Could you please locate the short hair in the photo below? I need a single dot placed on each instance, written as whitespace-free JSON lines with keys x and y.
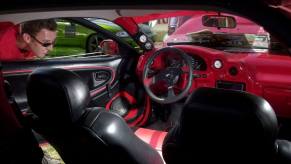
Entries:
{"x":35,"y":26}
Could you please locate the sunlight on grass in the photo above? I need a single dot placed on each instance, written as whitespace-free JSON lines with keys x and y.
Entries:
{"x":51,"y":154}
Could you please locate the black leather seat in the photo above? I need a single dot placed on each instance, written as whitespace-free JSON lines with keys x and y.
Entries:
{"x":59,"y":98}
{"x":283,"y":151}
{"x":225,"y":126}
{"x":17,"y":142}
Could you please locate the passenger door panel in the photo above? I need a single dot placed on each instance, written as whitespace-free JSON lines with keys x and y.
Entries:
{"x":98,"y":72}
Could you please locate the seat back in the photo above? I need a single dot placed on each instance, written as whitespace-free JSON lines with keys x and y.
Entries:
{"x":283,"y":151}
{"x":59,"y":98}
{"x":17,"y":144}
{"x":225,"y":126}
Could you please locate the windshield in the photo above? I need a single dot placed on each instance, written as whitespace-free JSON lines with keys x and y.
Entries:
{"x":246,"y":36}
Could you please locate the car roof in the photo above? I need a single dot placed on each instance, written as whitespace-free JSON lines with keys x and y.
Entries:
{"x":19,"y":16}
{"x":267,"y":13}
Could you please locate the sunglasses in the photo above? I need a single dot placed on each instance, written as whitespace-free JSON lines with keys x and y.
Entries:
{"x":41,"y":43}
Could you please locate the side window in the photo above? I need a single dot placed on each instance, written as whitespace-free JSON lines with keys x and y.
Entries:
{"x":75,"y":40}
{"x":108,"y":46}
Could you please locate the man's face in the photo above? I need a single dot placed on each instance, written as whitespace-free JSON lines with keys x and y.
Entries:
{"x":42,"y":42}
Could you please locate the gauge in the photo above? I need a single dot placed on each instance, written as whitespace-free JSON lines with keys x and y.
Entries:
{"x":217,"y":64}
{"x":198,"y":63}
{"x":142,"y":38}
{"x":148,"y":45}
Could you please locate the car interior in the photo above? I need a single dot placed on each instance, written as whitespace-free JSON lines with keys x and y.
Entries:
{"x":123,"y":86}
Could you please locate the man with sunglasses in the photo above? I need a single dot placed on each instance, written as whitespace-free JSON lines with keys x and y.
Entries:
{"x":28,"y":40}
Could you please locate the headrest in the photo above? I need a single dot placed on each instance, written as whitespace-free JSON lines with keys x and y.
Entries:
{"x":56,"y":95}
{"x":224,"y":124}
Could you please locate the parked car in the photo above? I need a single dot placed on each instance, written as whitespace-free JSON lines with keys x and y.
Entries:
{"x":218,"y":91}
{"x":75,"y":39}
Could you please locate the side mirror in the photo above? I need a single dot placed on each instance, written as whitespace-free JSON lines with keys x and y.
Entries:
{"x":219,"y":21}
{"x":109,"y":47}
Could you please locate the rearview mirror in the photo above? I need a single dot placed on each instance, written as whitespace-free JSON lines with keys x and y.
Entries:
{"x":219,"y":21}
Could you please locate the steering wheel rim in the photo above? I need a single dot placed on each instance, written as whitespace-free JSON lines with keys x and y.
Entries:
{"x":171,"y":95}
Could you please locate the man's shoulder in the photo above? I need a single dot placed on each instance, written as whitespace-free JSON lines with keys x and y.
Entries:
{"x":6,"y":25}
{"x":7,"y":30}
{"x":8,"y":48}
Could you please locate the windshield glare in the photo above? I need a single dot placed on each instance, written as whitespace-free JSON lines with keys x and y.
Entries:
{"x":246,"y":36}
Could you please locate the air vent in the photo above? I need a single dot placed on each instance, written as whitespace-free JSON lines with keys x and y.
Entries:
{"x":233,"y":71}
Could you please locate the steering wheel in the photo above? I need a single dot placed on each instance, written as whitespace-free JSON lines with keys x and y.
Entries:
{"x":169,"y":75}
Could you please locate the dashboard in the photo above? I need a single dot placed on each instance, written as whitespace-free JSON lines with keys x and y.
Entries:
{"x":211,"y":68}
{"x":263,"y":74}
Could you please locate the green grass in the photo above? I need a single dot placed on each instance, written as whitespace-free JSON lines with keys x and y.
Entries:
{"x":51,"y":155}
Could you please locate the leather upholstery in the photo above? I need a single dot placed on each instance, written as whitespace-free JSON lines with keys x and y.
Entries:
{"x":22,"y":146}
{"x":81,"y":135}
{"x":56,"y":94}
{"x":124,"y":146}
{"x":226,"y":126}
{"x":283,"y":151}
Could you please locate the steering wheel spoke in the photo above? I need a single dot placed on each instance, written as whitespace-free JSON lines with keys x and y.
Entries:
{"x":171,"y":94}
